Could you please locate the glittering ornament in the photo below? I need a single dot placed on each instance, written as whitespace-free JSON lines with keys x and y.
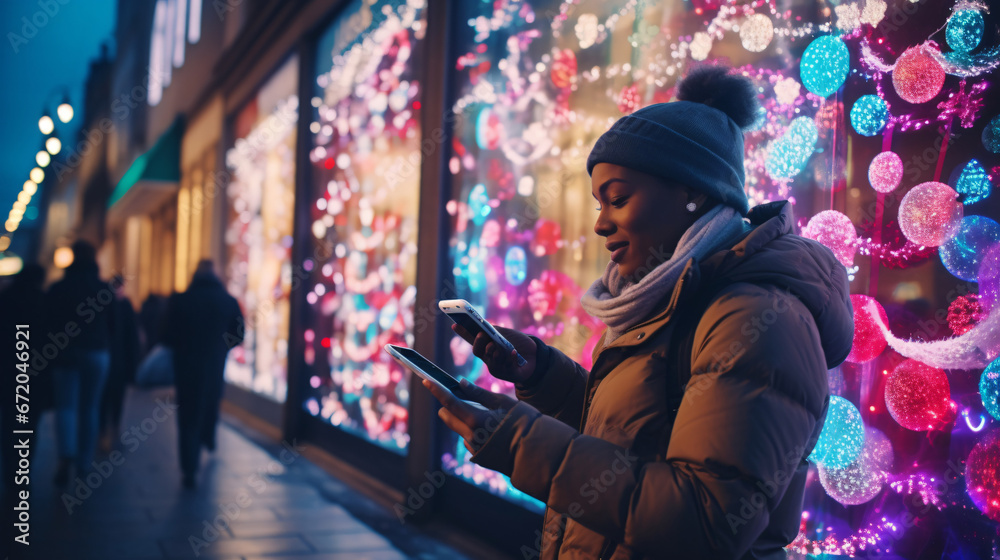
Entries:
{"x":824,"y":65}
{"x":873,"y":13}
{"x":700,"y":45}
{"x":836,"y":231}
{"x":586,"y":30}
{"x":489,"y":129}
{"x":546,"y":240}
{"x":962,"y":104}
{"x":563,"y":68}
{"x":982,"y":475}
{"x":515,"y":265}
{"x":843,"y":435}
{"x":629,"y":99}
{"x":479,"y":204}
{"x":991,"y":135}
{"x":973,"y":182}
{"x":989,"y":388}
{"x":864,"y":478}
{"x":786,"y":91}
{"x":917,"y":76}
{"x":869,"y":115}
{"x":918,"y":396}
{"x":848,"y":17}
{"x":868,"y":339}
{"x":885,"y":172}
{"x":989,"y":278}
{"x":930,"y":214}
{"x":756,"y":32}
{"x":964,"y":30}
{"x":787,"y":155}
{"x":964,"y":313}
{"x":961,"y":254}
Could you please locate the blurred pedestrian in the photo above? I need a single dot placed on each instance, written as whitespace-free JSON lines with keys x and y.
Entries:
{"x":151,"y":318}
{"x":202,"y":325}
{"x":77,"y":310}
{"x":125,"y":349}
{"x":689,"y":436}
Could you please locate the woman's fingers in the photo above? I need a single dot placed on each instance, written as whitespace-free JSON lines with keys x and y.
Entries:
{"x":462,"y":332}
{"x":462,"y":411}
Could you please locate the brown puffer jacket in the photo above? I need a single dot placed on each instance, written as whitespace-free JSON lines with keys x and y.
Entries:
{"x":663,"y":453}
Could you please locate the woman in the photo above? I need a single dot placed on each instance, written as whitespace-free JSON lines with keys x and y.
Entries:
{"x":689,"y":436}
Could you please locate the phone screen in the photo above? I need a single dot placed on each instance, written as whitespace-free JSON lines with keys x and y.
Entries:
{"x":430,"y":369}
{"x":468,"y":323}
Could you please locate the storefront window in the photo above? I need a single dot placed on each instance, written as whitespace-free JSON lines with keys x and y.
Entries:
{"x":258,"y":236}
{"x":538,"y":83}
{"x":365,"y":155}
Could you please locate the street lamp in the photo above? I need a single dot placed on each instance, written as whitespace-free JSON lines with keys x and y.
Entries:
{"x":42,"y":158}
{"x":45,"y":123}
{"x":37,"y":175}
{"x":53,"y":145}
{"x":65,"y":110}
{"x":30,"y":187}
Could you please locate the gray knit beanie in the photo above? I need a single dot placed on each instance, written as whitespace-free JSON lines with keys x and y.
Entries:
{"x":696,"y":141}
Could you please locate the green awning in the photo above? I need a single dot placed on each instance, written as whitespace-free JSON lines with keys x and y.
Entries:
{"x":160,"y":164}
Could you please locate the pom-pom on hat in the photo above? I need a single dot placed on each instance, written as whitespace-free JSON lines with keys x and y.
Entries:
{"x":696,"y":141}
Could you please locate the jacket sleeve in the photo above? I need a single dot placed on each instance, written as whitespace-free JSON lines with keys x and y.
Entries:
{"x":750,"y":415}
{"x":557,"y":386}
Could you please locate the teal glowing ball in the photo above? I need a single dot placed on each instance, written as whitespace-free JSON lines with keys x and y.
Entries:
{"x":961,"y":254}
{"x":989,"y":388}
{"x":964,"y":30}
{"x":869,"y":115}
{"x":842,"y":437}
{"x":991,"y":135}
{"x":479,"y":204}
{"x":788,"y":155}
{"x":515,"y":265}
{"x":825,"y":65}
{"x":973,"y":182}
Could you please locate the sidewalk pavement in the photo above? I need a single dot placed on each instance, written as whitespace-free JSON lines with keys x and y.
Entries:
{"x":250,"y":503}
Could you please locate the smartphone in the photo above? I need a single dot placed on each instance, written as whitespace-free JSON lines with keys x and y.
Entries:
{"x":464,"y":314}
{"x":413,"y":361}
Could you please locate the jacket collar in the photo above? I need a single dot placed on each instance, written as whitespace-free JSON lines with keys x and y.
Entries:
{"x":770,"y":220}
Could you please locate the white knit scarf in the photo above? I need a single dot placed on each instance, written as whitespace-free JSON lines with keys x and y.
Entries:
{"x":620,"y":304}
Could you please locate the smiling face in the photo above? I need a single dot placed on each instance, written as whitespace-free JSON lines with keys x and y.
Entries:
{"x":641,"y":217}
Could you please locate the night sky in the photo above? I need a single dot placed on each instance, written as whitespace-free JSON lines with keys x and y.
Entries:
{"x":59,"y":54}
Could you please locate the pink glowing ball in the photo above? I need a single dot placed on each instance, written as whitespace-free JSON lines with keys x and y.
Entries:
{"x":563,"y":68}
{"x":864,"y":478}
{"x":918,"y":396}
{"x":989,"y":278}
{"x":917,"y":77}
{"x":982,"y":475}
{"x":930,"y":214}
{"x":836,"y":231}
{"x":885,"y":172}
{"x":869,"y":341}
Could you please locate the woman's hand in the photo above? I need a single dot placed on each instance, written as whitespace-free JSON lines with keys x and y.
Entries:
{"x":501,"y":364}
{"x":473,"y":424}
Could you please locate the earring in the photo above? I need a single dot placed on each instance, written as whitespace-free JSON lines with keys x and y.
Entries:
{"x":691,"y":206}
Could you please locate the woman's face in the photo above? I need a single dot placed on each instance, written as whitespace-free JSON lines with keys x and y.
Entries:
{"x":642,"y":217}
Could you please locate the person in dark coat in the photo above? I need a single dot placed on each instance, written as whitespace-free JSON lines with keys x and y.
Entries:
{"x":151,"y":317}
{"x":125,"y":348}
{"x":202,"y":325}
{"x":689,"y":436}
{"x":77,"y":310}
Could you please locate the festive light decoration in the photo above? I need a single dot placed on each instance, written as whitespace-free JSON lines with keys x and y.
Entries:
{"x":965,"y":29}
{"x":843,"y":435}
{"x":989,"y":389}
{"x":961,"y":254}
{"x":918,"y":396}
{"x":917,"y":76}
{"x":788,"y":155}
{"x":563,"y":68}
{"x":488,"y":130}
{"x":786,"y":91}
{"x":874,"y":12}
{"x":885,"y":172}
{"x":868,"y":339}
{"x":848,"y":17}
{"x":894,"y":250}
{"x":629,"y":100}
{"x":756,"y":32}
{"x":930,"y":214}
{"x":824,"y":66}
{"x":700,"y":46}
{"x":836,"y":231}
{"x":973,"y":182}
{"x":516,"y":265}
{"x":982,"y":475}
{"x":586,"y":30}
{"x":863,"y":479}
{"x":963,"y":105}
{"x":991,"y":135}
{"x":869,"y":115}
{"x":964,"y":313}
